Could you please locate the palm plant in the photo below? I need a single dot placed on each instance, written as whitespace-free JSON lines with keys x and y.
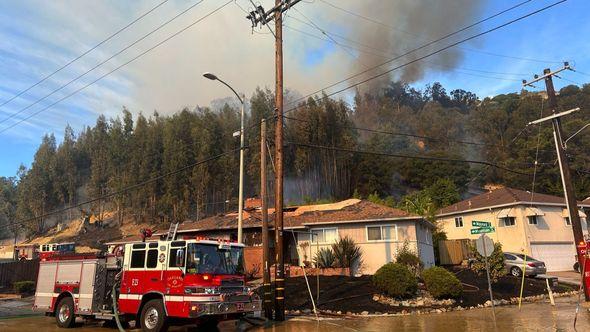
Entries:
{"x":324,"y":258}
{"x":346,"y":252}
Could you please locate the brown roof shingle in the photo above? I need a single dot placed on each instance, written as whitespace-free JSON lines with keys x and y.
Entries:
{"x":345,"y":211}
{"x":502,"y":196}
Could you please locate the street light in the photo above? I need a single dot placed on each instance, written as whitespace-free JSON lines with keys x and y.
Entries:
{"x":213,"y":77}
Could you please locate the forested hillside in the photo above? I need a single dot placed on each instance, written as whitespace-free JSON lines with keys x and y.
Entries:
{"x":378,"y":137}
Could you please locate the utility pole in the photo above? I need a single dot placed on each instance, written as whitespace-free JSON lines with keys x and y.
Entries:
{"x":267,"y":298}
{"x":280,"y":267}
{"x":259,"y":15}
{"x":564,"y":168}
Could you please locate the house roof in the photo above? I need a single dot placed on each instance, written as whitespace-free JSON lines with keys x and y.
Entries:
{"x":504,"y":197}
{"x":348,"y":211}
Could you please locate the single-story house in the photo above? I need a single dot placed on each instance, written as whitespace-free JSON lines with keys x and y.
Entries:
{"x":535,"y":224}
{"x":380,"y":231}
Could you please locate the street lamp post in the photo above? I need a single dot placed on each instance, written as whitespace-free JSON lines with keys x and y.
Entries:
{"x":213,"y":77}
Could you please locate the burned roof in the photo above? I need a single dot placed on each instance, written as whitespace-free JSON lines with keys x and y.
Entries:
{"x":503,"y":196}
{"x":351,"y":210}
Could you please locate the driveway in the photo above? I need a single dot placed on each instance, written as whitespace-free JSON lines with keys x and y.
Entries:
{"x":566,"y":277}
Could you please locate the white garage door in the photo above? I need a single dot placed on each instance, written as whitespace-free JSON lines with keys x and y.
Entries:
{"x":557,"y":256}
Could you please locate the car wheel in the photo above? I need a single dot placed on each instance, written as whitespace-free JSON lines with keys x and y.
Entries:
{"x":64,"y":313}
{"x":516,"y":271}
{"x":153,"y":317}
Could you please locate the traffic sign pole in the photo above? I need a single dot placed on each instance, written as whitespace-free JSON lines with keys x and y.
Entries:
{"x":483,"y":236}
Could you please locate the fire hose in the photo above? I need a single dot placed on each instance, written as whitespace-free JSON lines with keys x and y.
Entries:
{"x":115,"y":298}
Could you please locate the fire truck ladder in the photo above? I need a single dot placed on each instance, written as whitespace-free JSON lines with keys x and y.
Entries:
{"x":172,"y":231}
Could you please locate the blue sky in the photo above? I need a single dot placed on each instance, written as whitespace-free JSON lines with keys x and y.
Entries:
{"x":37,"y":37}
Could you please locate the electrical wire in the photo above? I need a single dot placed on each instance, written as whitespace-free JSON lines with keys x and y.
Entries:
{"x":403,"y":156}
{"x":366,"y":18}
{"x":120,"y":66}
{"x":100,"y":63}
{"x":83,"y":54}
{"x":402,"y":134}
{"x":431,"y":64}
{"x":497,"y":27}
{"x":128,"y":188}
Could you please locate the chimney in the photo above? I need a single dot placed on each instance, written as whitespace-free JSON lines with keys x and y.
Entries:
{"x":469,"y":203}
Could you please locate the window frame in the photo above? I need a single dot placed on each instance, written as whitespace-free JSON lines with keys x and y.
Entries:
{"x":503,"y":219}
{"x":460,"y":219}
{"x":382,"y":239}
{"x":147,"y":257}
{"x":323,"y":230}
{"x":535,"y":218}
{"x":131,"y":267}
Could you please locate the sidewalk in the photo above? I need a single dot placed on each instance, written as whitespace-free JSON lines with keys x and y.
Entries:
{"x":565,"y":277}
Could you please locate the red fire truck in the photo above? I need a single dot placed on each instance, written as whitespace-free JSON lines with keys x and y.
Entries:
{"x":157,"y":284}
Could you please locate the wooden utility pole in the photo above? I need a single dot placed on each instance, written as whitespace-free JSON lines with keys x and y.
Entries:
{"x":566,"y":178}
{"x":267,"y":298}
{"x":280,"y":259}
{"x":260,"y":16}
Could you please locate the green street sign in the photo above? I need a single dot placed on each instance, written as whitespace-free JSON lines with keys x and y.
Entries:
{"x":482,"y":230}
{"x":476,"y":223}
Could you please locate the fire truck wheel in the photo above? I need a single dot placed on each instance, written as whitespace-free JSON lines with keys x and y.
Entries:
{"x":153,"y":317}
{"x":64,"y":313}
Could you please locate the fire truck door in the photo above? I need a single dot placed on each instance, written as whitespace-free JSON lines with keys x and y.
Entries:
{"x":134,"y":275}
{"x":154,"y":266}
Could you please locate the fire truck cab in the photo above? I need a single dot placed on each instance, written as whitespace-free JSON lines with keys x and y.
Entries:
{"x":157,"y":284}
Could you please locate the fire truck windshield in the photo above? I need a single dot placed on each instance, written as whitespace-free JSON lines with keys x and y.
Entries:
{"x":210,"y":258}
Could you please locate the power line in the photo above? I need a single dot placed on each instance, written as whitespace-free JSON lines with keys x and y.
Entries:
{"x":463,"y":48}
{"x":403,"y":134}
{"x":432,"y":64}
{"x":129,"y":188}
{"x":121,"y":66}
{"x":83,"y":54}
{"x":403,"y":156}
{"x":417,"y":59}
{"x":388,"y":53}
{"x":101,"y":63}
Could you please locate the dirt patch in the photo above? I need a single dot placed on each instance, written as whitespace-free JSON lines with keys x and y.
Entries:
{"x":475,"y":288}
{"x":346,"y":294}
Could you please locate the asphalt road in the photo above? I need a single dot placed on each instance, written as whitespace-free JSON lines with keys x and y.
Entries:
{"x":532,"y":317}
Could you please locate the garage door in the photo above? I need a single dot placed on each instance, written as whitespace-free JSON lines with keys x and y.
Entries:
{"x":557,"y":256}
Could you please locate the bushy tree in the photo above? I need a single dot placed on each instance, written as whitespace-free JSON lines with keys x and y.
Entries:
{"x":495,"y":261}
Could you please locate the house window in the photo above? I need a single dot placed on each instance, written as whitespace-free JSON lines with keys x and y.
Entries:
{"x":325,"y":235}
{"x":568,"y":222}
{"x":459,"y":222}
{"x":508,"y":221}
{"x":382,"y":233}
{"x":533,"y":220}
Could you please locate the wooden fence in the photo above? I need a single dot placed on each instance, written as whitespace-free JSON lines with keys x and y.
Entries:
{"x":18,"y":271}
{"x":453,"y":252}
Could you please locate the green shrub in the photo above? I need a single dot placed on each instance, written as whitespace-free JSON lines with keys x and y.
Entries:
{"x":442,"y":284}
{"x":407,"y":257}
{"x":395,"y":280}
{"x":24,"y":287}
{"x":324,"y":258}
{"x":346,"y":252}
{"x":496,"y":262}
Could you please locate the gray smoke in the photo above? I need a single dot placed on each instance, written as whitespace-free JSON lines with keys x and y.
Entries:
{"x":408,"y":24}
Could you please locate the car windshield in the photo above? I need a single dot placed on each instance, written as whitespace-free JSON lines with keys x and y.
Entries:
{"x":528,"y":258}
{"x":210,"y":258}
